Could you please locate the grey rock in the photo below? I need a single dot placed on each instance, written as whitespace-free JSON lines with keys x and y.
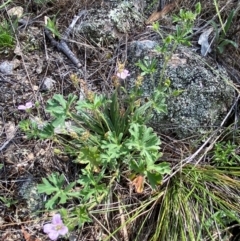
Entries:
{"x":28,"y":192}
{"x":6,"y":67}
{"x":110,"y":21}
{"x":205,"y":95}
{"x":48,"y":83}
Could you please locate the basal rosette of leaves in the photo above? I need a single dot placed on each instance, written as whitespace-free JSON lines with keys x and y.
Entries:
{"x":106,"y":136}
{"x":109,"y":138}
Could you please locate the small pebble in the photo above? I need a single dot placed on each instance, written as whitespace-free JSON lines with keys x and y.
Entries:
{"x":6,"y":67}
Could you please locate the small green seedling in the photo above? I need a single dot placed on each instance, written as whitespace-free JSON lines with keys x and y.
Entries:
{"x":52,"y":26}
{"x":7,"y":39}
{"x":225,"y":155}
{"x":8,"y":202}
{"x":147,"y":66}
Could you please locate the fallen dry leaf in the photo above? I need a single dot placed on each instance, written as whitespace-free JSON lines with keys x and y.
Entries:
{"x":28,"y":236}
{"x":30,"y":157}
{"x":18,"y":50}
{"x":138,"y":183}
{"x":10,"y":130}
{"x":158,"y":15}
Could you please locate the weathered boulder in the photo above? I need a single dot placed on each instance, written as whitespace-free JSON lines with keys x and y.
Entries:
{"x":111,"y":21}
{"x":205,"y":95}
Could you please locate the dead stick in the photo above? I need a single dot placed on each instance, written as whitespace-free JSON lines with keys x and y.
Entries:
{"x":62,"y":45}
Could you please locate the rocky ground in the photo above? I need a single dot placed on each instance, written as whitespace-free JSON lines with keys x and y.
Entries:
{"x":34,"y":70}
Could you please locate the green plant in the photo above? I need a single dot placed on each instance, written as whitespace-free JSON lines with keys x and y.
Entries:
{"x":106,"y":135}
{"x":78,"y":216}
{"x":184,"y":27}
{"x":225,"y":154}
{"x":52,"y":27}
{"x":198,"y":201}
{"x":222,"y":218}
{"x":7,"y":201}
{"x":53,"y":185}
{"x":102,"y":130}
{"x":7,"y":39}
{"x":31,"y":128}
{"x":221,"y":33}
{"x":148,"y":66}
{"x":109,"y":138}
{"x":146,"y":144}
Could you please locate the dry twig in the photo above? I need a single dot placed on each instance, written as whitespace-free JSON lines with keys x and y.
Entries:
{"x":62,"y":45}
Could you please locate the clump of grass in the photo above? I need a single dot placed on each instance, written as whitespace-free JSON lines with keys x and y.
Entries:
{"x":221,"y":34}
{"x":199,"y":203}
{"x":7,"y":39}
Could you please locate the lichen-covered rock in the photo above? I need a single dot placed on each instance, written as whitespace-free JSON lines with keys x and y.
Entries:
{"x":110,"y":21}
{"x":204,"y":94}
{"x":28,"y":192}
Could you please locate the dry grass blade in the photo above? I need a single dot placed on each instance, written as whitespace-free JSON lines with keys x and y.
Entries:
{"x":195,"y":200}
